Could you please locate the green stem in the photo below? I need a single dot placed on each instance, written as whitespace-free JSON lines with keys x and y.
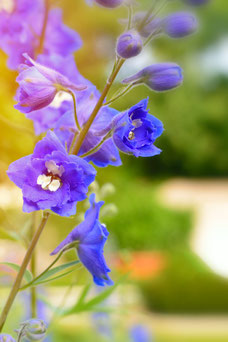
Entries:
{"x":41,"y":274}
{"x":96,"y":148}
{"x":75,"y":109}
{"x":17,"y":283}
{"x":130,"y":15}
{"x":125,"y":91}
{"x":98,"y":106}
{"x":72,"y":245}
{"x":33,"y":270}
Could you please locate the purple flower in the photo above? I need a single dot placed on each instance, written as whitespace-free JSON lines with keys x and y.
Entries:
{"x":21,"y":34}
{"x":65,"y":129}
{"x":107,"y":3}
{"x":52,"y":179}
{"x":158,"y":77}
{"x":135,"y":131}
{"x":39,"y":86}
{"x":139,"y":333}
{"x":129,"y":44}
{"x":6,"y":338}
{"x":90,"y":236}
{"x":180,"y":24}
{"x":46,"y":118}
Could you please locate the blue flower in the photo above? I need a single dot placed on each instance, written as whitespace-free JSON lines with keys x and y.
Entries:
{"x":91,"y":236}
{"x":139,"y":333}
{"x":135,"y":131}
{"x":52,"y":179}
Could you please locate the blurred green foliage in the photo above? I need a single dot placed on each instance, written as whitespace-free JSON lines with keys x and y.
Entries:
{"x":141,"y":222}
{"x":186,"y":286}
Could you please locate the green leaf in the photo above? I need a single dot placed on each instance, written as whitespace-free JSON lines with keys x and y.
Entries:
{"x":38,"y":282}
{"x":93,"y":304}
{"x":27,"y":275}
{"x":83,"y":294}
{"x":57,"y":269}
{"x":8,"y":235}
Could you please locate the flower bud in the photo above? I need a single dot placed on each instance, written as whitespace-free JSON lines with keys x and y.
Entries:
{"x":180,"y":24}
{"x":158,"y":77}
{"x":129,"y":44}
{"x":196,"y":2}
{"x":109,"y":3}
{"x":33,"y":330}
{"x":6,"y":338}
{"x":152,"y":25}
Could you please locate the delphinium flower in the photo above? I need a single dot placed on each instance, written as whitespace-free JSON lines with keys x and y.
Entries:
{"x":39,"y":86}
{"x":135,"y":131}
{"x":47,"y":118}
{"x":66,"y":128}
{"x":52,"y":179}
{"x":6,"y":338}
{"x":158,"y":77}
{"x":90,"y":237}
{"x":20,"y":33}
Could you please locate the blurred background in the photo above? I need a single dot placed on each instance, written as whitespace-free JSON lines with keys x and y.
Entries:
{"x":167,"y":215}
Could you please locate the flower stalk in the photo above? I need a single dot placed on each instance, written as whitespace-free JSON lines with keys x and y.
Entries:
{"x":19,"y":278}
{"x":98,"y":106}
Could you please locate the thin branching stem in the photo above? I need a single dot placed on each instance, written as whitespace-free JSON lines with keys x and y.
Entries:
{"x":24,"y":265}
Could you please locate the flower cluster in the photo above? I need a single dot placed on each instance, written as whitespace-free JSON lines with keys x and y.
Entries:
{"x":80,"y":126}
{"x":77,"y":123}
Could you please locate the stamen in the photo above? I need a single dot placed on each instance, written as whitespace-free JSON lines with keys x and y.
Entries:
{"x":44,"y":181}
{"x":54,"y":169}
{"x":131,"y":135}
{"x":54,"y":185}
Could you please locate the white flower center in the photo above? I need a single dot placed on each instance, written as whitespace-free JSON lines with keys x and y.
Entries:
{"x":7,"y":5}
{"x":60,"y":97}
{"x":51,"y":181}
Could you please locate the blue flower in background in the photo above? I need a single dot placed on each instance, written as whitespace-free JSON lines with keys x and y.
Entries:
{"x":6,"y":338}
{"x":52,"y":179}
{"x":135,"y":131}
{"x":140,"y":333}
{"x":90,"y":236}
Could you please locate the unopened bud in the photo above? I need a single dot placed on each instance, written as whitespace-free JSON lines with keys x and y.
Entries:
{"x":109,"y":3}
{"x":33,"y":329}
{"x":158,"y":77}
{"x":129,"y":44}
{"x":180,"y":24}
